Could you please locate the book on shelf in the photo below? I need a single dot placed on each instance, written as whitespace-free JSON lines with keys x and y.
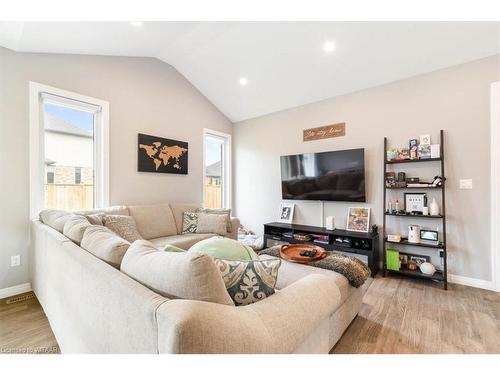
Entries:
{"x":321,"y":242}
{"x":418,"y":184}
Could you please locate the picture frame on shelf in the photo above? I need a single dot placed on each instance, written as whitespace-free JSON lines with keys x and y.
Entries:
{"x":424,"y":151}
{"x":286,"y":212}
{"x":414,"y":202}
{"x":425,"y":139}
{"x":358,"y":219}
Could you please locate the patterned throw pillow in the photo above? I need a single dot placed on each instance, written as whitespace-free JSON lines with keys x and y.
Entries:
{"x":124,"y":226}
{"x":189,"y":222}
{"x":200,"y":222}
{"x":249,"y":281}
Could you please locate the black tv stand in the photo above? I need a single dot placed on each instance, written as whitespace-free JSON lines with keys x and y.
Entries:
{"x":364,"y":246}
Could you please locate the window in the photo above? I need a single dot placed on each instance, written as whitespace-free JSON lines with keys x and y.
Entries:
{"x":217,"y":169}
{"x":68,"y":143}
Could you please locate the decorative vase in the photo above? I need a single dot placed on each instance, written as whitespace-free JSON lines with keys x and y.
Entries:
{"x":434,"y":207}
{"x":427,"y":268}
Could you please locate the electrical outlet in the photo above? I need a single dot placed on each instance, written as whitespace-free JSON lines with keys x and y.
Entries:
{"x":15,"y":260}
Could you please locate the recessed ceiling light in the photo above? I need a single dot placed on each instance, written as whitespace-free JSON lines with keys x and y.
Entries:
{"x":328,"y":46}
{"x":136,"y":23}
{"x":243,"y":81}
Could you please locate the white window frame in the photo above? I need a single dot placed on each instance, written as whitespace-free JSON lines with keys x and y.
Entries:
{"x":227,"y":183}
{"x":37,"y":149}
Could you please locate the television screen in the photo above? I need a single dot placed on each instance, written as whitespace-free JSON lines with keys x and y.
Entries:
{"x":324,"y":176}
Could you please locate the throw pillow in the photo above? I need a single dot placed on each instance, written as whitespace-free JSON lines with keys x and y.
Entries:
{"x":212,"y":223}
{"x":175,"y":275}
{"x":75,"y":227}
{"x":221,"y":211}
{"x":96,"y":219}
{"x":224,"y":248}
{"x":249,"y":282}
{"x":124,"y":226}
{"x":189,"y":222}
{"x":55,"y":218}
{"x":199,"y":222}
{"x":105,"y":244}
{"x":173,"y":249}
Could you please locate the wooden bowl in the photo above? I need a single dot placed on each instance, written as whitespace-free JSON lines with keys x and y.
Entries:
{"x":292,"y":253}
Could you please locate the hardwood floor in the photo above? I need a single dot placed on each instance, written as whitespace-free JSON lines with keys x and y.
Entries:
{"x":399,"y":315}
{"x":24,"y":328}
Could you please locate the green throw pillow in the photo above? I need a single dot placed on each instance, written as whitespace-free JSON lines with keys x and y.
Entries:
{"x":173,"y":249}
{"x":224,"y":248}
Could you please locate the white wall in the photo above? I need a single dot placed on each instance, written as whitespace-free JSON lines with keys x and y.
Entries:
{"x":145,"y":96}
{"x":455,"y":99}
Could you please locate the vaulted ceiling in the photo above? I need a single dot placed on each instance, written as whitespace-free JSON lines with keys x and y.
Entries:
{"x":251,"y":69}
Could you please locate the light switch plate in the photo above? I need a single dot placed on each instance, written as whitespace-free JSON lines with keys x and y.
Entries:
{"x":15,"y":260}
{"x":466,"y":184}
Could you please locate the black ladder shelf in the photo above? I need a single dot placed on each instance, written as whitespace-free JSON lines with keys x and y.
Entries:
{"x":439,"y":276}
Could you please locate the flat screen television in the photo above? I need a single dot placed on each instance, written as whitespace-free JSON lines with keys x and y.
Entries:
{"x":324,"y":176}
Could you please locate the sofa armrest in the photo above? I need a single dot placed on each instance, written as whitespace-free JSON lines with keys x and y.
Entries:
{"x":235,"y":224}
{"x":277,"y":324}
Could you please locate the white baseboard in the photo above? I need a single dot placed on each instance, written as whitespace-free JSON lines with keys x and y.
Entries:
{"x":469,"y":281}
{"x":14,"y":290}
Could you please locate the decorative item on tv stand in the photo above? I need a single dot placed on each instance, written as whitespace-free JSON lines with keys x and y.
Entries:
{"x":429,"y":209}
{"x":330,"y":223}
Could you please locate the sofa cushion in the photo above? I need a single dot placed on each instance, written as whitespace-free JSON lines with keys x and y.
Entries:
{"x":291,"y":272}
{"x":124,"y":226}
{"x":249,"y":281}
{"x":184,"y":241}
{"x":199,"y":222}
{"x":175,"y":275}
{"x":55,"y":218}
{"x":178,"y":210}
{"x":75,"y":227}
{"x":224,"y":248}
{"x":105,"y":244}
{"x":154,"y":221}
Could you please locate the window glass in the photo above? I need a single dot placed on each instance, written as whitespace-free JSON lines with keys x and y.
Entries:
{"x":69,"y":157}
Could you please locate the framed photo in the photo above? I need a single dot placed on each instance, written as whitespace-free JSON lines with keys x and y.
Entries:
{"x":358,"y":219}
{"x":414,"y":202}
{"x":425,"y":139}
{"x":286,"y":212}
{"x":424,"y":151}
{"x":161,"y":155}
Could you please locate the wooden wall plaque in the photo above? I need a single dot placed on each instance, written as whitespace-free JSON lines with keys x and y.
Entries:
{"x":327,"y":131}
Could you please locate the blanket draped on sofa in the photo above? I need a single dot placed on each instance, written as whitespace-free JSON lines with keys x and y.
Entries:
{"x":352,"y":268}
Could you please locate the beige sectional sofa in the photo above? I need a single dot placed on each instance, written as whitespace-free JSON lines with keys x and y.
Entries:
{"x":93,"y":307}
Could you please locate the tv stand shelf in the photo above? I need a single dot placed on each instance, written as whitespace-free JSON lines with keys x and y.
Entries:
{"x":364,"y":246}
